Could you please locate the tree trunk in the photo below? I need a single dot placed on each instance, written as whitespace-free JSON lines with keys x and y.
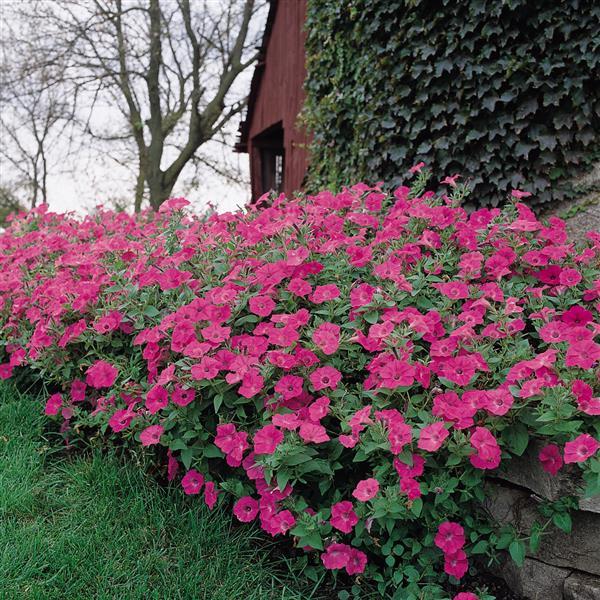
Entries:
{"x":160,"y":190}
{"x":139,"y":190}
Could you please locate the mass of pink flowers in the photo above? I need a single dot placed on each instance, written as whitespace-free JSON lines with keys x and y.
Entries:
{"x":346,"y":367}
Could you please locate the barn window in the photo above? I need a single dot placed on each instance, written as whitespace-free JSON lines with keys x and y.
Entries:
{"x":269,"y":144}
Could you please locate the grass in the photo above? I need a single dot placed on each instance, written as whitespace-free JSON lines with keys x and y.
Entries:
{"x":96,"y":527}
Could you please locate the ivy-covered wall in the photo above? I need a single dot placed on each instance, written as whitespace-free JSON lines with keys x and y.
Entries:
{"x":505,"y":92}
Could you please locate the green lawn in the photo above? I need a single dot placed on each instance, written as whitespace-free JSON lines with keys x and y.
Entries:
{"x":92,"y":526}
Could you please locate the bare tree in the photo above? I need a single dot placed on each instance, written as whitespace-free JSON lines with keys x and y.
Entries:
{"x":32,"y":118}
{"x":166,"y":66}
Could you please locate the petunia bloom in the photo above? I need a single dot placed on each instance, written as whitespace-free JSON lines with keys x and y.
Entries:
{"x":343,"y":516}
{"x":336,"y":556}
{"x":267,"y":439}
{"x":192,"y":482}
{"x":450,"y":537}
{"x":432,"y":436}
{"x":366,"y":489}
{"x":550,"y":458}
{"x":581,"y":448}
{"x":101,"y":374}
{"x":151,"y":435}
{"x":246,"y":509}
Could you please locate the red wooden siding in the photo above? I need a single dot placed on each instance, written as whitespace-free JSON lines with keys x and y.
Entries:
{"x":278,"y":94}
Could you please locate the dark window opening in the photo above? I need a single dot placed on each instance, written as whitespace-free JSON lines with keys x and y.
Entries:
{"x":269,"y":143}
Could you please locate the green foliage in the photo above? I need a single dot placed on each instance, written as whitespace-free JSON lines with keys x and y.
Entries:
{"x":504,"y":93}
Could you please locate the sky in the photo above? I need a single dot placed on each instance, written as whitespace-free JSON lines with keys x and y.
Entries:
{"x":80,"y":180}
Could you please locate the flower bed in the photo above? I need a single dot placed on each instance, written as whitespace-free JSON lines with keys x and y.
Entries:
{"x":347,"y":367}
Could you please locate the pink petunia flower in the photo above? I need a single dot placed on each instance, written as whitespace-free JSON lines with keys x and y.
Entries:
{"x":101,"y":374}
{"x":361,"y":295}
{"x":459,"y":370}
{"x":262,"y":306}
{"x":550,"y":458}
{"x":399,"y":435}
{"x":246,"y":509}
{"x":53,"y":404}
{"x":343,"y":516}
{"x":157,"y":398}
{"x":192,"y":482}
{"x":499,"y":401}
{"x":357,"y":561}
{"x":456,"y":564}
{"x":279,"y":523}
{"x":313,"y":432}
{"x":577,"y":316}
{"x":396,"y":373}
{"x":325,"y":377}
{"x":336,"y":556}
{"x":319,"y":409}
{"x":109,"y":322}
{"x":210,"y":494}
{"x":151,"y":435}
{"x":450,"y":537}
{"x":455,"y":290}
{"x":432,"y":436}
{"x":121,"y":419}
{"x":327,"y":337}
{"x":581,"y":448}
{"x":466,"y":596}
{"x":173,"y":204}
{"x":182,"y":396}
{"x":78,"y":389}
{"x":299,"y":287}
{"x":584,"y":396}
{"x":488,"y":451}
{"x":324,"y":293}
{"x":289,"y":386}
{"x":366,"y":489}
{"x":584,"y":354}
{"x":569,"y":277}
{"x":172,"y":466}
{"x":267,"y":439}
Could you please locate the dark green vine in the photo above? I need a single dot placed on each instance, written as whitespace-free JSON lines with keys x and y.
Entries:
{"x":504,"y":92}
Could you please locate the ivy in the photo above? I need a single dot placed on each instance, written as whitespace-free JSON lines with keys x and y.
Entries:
{"x":502,"y":91}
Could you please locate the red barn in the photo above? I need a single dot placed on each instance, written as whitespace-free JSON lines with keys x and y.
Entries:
{"x":270,"y":133}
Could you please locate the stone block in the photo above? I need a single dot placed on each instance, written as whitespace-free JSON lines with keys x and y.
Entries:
{"x":577,"y":550}
{"x":535,"y":580}
{"x":579,"y":586}
{"x":526,"y":471}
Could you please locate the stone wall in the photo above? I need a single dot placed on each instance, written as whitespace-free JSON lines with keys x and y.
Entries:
{"x":567,"y":565}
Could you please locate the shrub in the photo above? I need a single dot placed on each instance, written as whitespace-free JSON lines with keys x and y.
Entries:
{"x":348,"y":367}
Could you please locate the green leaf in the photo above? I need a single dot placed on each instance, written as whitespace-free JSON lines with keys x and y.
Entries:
{"x":516,"y":438}
{"x":211,"y":451}
{"x":282,"y":477}
{"x":480,"y":547}
{"x":151,"y":311}
{"x":416,"y":507}
{"x":563,"y":521}
{"x":517,"y":552}
{"x":371,"y":317}
{"x":186,"y":457}
{"x":177,"y":445}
